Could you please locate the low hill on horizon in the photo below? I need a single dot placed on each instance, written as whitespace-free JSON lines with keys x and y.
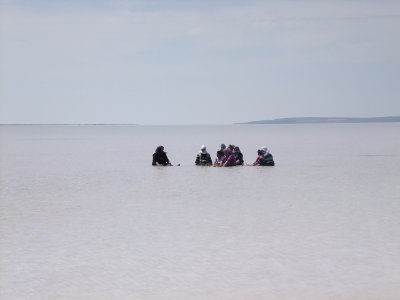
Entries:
{"x":315,"y":120}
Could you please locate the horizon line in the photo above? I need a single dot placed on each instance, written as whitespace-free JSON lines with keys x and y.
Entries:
{"x":136,"y":124}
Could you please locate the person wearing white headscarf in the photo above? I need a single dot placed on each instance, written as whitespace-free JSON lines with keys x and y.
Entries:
{"x":265,"y":149}
{"x":203,"y":158}
{"x":264,"y":158}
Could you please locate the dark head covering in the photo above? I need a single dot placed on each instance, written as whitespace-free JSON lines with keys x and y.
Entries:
{"x":160,"y":149}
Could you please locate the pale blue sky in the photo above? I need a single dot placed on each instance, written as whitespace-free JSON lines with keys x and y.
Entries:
{"x":197,"y":62}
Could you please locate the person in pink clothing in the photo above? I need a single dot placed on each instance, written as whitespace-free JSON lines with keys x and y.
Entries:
{"x":229,"y":159}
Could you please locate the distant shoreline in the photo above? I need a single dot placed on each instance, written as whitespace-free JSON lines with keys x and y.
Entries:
{"x":302,"y":120}
{"x":69,"y":124}
{"x":318,"y":120}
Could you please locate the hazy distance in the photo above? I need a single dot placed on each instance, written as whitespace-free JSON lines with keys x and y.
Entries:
{"x":149,"y":62}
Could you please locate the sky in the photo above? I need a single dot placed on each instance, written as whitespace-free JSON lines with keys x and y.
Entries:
{"x":159,"y":62}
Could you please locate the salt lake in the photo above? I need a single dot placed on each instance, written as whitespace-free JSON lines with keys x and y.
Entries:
{"x":84,"y":215}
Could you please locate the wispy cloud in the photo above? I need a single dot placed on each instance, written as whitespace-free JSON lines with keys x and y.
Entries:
{"x":154,"y":40}
{"x":284,"y":26}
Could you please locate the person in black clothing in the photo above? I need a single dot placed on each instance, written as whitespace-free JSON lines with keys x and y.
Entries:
{"x":220,"y":156}
{"x":203,"y":158}
{"x":160,"y":157}
{"x":221,"y":151}
{"x":238,"y":156}
{"x":264,"y":158}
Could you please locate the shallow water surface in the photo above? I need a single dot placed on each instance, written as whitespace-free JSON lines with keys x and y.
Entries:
{"x":84,"y":215}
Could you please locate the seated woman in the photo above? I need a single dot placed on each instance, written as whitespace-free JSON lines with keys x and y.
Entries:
{"x":203,"y":158}
{"x":229,"y":159}
{"x":160,"y":157}
{"x":220,"y":156}
{"x":238,"y":156}
{"x":264,"y":158}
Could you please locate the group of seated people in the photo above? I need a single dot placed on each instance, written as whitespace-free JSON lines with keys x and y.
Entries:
{"x":226,"y":157}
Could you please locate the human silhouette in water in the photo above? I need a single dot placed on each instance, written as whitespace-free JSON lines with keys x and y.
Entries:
{"x":264,"y":158}
{"x":160,"y":157}
{"x":203,"y":158}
